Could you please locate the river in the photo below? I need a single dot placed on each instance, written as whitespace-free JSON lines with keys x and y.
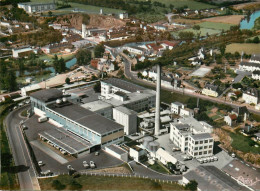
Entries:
{"x":249,"y":24}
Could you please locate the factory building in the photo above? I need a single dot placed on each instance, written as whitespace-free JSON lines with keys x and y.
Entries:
{"x":192,"y":137}
{"x":87,"y":125}
{"x":37,"y":7}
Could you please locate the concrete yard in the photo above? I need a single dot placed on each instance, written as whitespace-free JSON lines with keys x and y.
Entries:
{"x":201,"y":72}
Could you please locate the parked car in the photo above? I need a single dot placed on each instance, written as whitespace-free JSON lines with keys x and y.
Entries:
{"x":47,"y":172}
{"x":92,"y":164}
{"x":69,"y":167}
{"x":85,"y":164}
{"x":40,"y":163}
{"x":96,"y":153}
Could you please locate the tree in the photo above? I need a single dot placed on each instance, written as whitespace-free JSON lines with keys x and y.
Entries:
{"x":222,"y":49}
{"x":67,"y":80}
{"x":192,"y":185}
{"x":50,"y":13}
{"x":97,"y":87}
{"x":57,"y":185}
{"x":10,"y":81}
{"x":99,"y":50}
{"x":83,"y":56}
{"x":74,"y":185}
{"x":196,"y":27}
{"x":62,"y":65}
{"x":256,"y":40}
{"x":186,"y":35}
{"x":59,"y":64}
{"x":125,"y":51}
{"x":139,"y":75}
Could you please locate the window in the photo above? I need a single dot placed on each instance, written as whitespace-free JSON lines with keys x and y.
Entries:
{"x":186,"y":139}
{"x":197,"y":142}
{"x":201,"y":142}
{"x":201,"y":148}
{"x":210,"y":151}
{"x":210,"y":146}
{"x":196,"y":148}
{"x":211,"y":140}
{"x":205,"y":147}
{"x":206,"y":141}
{"x":195,"y":154}
{"x":200,"y":153}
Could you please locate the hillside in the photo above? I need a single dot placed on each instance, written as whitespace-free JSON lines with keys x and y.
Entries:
{"x":75,"y":20}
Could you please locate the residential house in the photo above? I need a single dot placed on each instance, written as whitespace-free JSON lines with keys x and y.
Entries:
{"x":255,"y":58}
{"x":230,"y":119}
{"x":123,"y":15}
{"x":160,"y":27}
{"x":186,"y":112}
{"x":256,"y":75}
{"x":251,"y":96}
{"x":257,"y":135}
{"x":211,"y":90}
{"x":33,"y":7}
{"x":21,"y":51}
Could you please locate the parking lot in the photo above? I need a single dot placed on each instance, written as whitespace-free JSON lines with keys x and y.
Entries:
{"x":52,"y":158}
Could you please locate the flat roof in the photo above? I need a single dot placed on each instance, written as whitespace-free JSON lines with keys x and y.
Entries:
{"x":125,"y":110}
{"x":122,"y":84}
{"x":96,"y":105}
{"x":66,"y":140}
{"x":47,"y":95}
{"x":87,"y":118}
{"x":116,"y":149}
{"x":201,"y":136}
{"x":211,"y":178}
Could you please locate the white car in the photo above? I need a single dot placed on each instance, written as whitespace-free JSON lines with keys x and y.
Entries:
{"x":69,"y":167}
{"x":40,"y":163}
{"x":85,"y":164}
{"x":92,"y":164}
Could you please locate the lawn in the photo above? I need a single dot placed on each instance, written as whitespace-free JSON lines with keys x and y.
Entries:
{"x":248,"y":48}
{"x":241,"y":143}
{"x":215,"y":26}
{"x":107,"y":183}
{"x":159,"y":168}
{"x":202,"y":31}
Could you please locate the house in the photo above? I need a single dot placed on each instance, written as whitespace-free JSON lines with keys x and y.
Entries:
{"x":136,"y":153}
{"x":135,"y":50}
{"x":21,"y":51}
{"x":160,"y":27}
{"x":167,"y":82}
{"x":123,"y":15}
{"x":168,"y":44}
{"x":249,"y":66}
{"x":257,"y":135}
{"x":211,"y":90}
{"x":256,"y":75}
{"x":57,"y":47}
{"x":255,"y":58}
{"x":175,"y":107}
{"x":241,"y":112}
{"x":186,"y":112}
{"x":164,"y":157}
{"x":251,"y":96}
{"x":230,"y":119}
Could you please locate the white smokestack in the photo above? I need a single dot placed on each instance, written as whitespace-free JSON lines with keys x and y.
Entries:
{"x":158,"y":103}
{"x":83,"y":31}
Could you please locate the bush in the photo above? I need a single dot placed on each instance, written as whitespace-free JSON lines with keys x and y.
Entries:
{"x":57,"y":185}
{"x":74,"y":185}
{"x":67,"y":80}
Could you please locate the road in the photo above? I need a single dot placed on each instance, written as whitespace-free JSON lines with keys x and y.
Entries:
{"x":132,"y":76}
{"x":27,"y":177}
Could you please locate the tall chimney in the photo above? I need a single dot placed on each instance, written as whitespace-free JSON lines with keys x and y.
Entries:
{"x":158,"y":103}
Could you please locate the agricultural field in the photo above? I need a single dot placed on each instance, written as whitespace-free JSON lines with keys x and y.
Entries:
{"x":248,"y":48}
{"x":230,"y":19}
{"x":202,"y":31}
{"x":215,"y":26}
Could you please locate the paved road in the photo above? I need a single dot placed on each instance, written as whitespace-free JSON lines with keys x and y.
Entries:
{"x":146,"y":172}
{"x":132,"y":76}
{"x":27,"y":178}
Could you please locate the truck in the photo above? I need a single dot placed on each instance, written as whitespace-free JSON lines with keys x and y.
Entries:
{"x":42,"y":119}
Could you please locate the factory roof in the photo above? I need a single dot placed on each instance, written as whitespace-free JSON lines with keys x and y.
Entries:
{"x":122,"y":84}
{"x":182,"y":126}
{"x":250,"y":64}
{"x":256,"y":72}
{"x":125,"y":110}
{"x":201,"y":136}
{"x":211,"y":178}
{"x":47,"y":95}
{"x":177,"y":103}
{"x":66,"y":140}
{"x":96,"y":105}
{"x":255,"y":57}
{"x":116,"y":149}
{"x":198,"y":126}
{"x":86,"y":118}
{"x":165,"y":78}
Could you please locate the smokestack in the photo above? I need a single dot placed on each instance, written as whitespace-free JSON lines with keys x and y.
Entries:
{"x":158,"y":103}
{"x":83,"y":30}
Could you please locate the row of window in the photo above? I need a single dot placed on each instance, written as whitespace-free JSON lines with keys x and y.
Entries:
{"x":105,"y":143}
{"x":202,"y":153}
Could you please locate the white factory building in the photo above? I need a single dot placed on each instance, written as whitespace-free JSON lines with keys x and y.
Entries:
{"x":192,"y":137}
{"x":127,"y":118}
{"x":37,"y":7}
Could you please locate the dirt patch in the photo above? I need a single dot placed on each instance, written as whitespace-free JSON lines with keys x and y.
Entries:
{"x":230,"y":19}
{"x":248,"y":6}
{"x":114,"y":170}
{"x":186,"y":21}
{"x":75,"y":20}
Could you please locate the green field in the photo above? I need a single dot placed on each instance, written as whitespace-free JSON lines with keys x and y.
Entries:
{"x":159,"y":168}
{"x":241,"y":143}
{"x":87,"y":8}
{"x":107,"y":183}
{"x":248,"y":48}
{"x":216,"y":26}
{"x":202,"y":31}
{"x":194,"y":5}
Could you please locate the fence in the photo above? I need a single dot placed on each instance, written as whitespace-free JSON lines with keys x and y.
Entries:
{"x":112,"y":176}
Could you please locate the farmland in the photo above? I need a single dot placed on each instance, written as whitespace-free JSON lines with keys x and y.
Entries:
{"x":230,"y":19}
{"x":243,"y":47}
{"x":202,"y":31}
{"x":215,"y":26}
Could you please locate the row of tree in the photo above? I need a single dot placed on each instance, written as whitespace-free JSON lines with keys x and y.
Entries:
{"x":7,"y":78}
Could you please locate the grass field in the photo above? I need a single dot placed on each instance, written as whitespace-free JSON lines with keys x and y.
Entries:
{"x":247,"y":48}
{"x":159,"y":168}
{"x":215,"y":26}
{"x":194,"y":5}
{"x":230,"y":19}
{"x":241,"y":143}
{"x":202,"y":31}
{"x":107,"y":183}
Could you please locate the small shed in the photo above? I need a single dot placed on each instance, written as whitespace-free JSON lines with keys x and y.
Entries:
{"x":117,"y":152}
